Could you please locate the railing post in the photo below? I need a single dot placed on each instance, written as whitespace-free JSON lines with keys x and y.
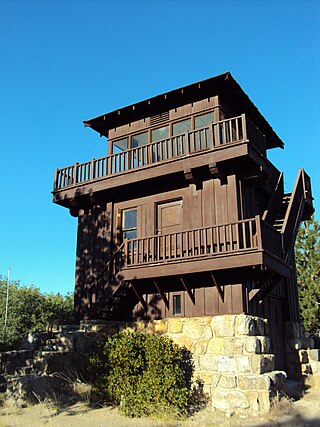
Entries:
{"x":244,"y":127}
{"x":125,"y":253}
{"x":55,"y":179}
{"x":216,"y":134}
{"x":92,"y":169}
{"x":187,"y":142}
{"x":75,"y":173}
{"x":258,"y":231}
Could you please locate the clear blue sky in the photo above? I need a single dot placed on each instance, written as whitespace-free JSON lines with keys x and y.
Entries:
{"x":65,"y":61}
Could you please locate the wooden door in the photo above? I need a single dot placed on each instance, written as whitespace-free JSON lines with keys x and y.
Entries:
{"x":169,"y":222}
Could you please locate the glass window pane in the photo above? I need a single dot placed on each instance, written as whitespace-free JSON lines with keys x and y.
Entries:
{"x":131,"y":234}
{"x":160,"y":133}
{"x":139,"y":140}
{"x":176,"y":304}
{"x":203,"y":120}
{"x":181,"y":127}
{"x":120,"y":145}
{"x":129,"y":219}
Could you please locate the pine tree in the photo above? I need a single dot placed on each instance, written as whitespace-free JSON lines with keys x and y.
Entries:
{"x":307,"y":252}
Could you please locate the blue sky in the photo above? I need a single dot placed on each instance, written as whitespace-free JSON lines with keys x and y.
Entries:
{"x":62,"y":62}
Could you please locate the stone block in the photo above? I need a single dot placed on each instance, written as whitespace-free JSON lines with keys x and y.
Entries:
{"x":254,"y":382}
{"x":208,"y":362}
{"x":314,"y":355}
{"x":315,"y":367}
{"x":160,"y":326}
{"x":181,"y":340}
{"x":253,"y":399}
{"x":207,"y":377}
{"x":265,"y":401}
{"x":229,"y":400}
{"x":175,"y":326}
{"x":200,"y":347}
{"x":261,"y":364}
{"x":227,"y":364}
{"x":244,"y":325}
{"x":224,"y":326}
{"x":215,"y":380}
{"x":193,"y":330}
{"x":243,"y":364}
{"x":227,"y":381}
{"x":252,"y":345}
{"x":216,"y":346}
{"x":233,"y":346}
{"x":265,"y":344}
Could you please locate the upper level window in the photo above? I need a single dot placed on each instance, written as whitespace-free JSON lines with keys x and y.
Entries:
{"x":121,"y":145}
{"x":160,"y":133}
{"x":139,"y":140}
{"x":203,"y":120}
{"x":181,"y":127}
{"x":129,"y":224}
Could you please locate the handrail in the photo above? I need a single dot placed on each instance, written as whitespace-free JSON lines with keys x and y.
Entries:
{"x":228,"y":131}
{"x":294,"y":211}
{"x":223,"y":239}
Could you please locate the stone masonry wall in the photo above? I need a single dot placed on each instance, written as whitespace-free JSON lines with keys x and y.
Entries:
{"x":303,"y":360}
{"x":231,"y":355}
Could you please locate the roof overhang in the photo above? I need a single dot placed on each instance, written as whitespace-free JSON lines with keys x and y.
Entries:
{"x":223,"y":85}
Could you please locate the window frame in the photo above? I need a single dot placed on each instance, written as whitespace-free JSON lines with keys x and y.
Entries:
{"x":169,"y":124}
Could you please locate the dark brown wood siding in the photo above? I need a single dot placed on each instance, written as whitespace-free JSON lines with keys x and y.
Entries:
{"x":93,"y":251}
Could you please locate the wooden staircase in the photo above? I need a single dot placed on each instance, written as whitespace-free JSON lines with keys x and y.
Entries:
{"x":285,"y":211}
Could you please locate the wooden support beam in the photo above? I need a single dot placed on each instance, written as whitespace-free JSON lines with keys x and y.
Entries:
{"x":189,"y":175}
{"x":188,"y":289}
{"x":140,"y":298}
{"x":266,"y":287}
{"x":163,"y":295}
{"x":219,"y":288}
{"x":217,"y":171}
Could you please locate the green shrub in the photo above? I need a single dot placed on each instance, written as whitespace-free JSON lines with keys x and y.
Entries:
{"x":143,"y":374}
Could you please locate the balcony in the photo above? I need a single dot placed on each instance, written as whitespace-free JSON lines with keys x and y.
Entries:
{"x":237,"y":134}
{"x":249,"y":242}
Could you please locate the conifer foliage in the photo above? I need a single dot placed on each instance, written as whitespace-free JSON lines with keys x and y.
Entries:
{"x":307,"y":252}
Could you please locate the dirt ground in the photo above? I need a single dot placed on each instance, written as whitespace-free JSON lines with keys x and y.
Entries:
{"x":305,"y":412}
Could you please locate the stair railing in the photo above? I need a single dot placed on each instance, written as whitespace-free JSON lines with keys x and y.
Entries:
{"x":294,"y":213}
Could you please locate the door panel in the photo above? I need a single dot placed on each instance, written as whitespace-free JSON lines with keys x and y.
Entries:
{"x":169,"y":220}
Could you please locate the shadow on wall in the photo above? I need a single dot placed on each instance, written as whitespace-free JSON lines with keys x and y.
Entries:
{"x":93,"y":252}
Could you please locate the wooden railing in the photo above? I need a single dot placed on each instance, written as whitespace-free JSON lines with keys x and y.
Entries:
{"x":301,"y":193}
{"x":215,"y":135}
{"x":237,"y":237}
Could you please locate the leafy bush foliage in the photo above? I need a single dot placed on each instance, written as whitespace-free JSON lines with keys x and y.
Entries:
{"x":143,"y":374}
{"x":29,"y":310}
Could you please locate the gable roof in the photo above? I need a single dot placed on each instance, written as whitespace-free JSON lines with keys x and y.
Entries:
{"x":224,"y":85}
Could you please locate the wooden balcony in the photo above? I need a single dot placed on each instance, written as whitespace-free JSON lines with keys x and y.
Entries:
{"x":235,"y":134}
{"x":250,"y":242}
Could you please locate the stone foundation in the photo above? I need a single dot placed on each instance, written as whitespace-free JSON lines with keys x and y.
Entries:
{"x":231,"y":355}
{"x":303,"y":360}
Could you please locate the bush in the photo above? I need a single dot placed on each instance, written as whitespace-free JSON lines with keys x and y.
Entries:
{"x":141,"y":373}
{"x":28,"y":311}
